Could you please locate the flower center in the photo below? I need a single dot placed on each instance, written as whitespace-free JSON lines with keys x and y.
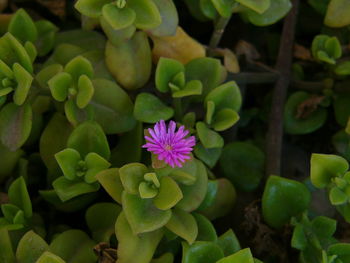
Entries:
{"x":168,"y":147}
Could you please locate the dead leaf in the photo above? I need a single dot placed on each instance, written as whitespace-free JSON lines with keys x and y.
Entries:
{"x":105,"y":253}
{"x":230,"y":59}
{"x":3,"y":4}
{"x":307,"y":107}
{"x":4,"y":22}
{"x":180,"y":47}
{"x":246,"y":49}
{"x":56,"y":7}
{"x":301,"y":52}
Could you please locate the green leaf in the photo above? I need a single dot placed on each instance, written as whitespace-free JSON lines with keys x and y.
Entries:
{"x":194,"y":194}
{"x":150,"y":109}
{"x":225,"y":119}
{"x":59,"y":85}
{"x":227,"y":95}
{"x":165,"y":258}
{"x":101,"y":218}
{"x":15,"y":125}
{"x":183,"y":224}
{"x":343,"y":68}
{"x":142,"y":215}
{"x":302,"y":125}
{"x":30,"y":248}
{"x":337,"y":196}
{"x":323,"y":56}
{"x":22,"y":27}
{"x":169,"y":16}
{"x":46,"y":36}
{"x":201,"y":252}
{"x":243,"y":164}
{"x":110,"y":181}
{"x":299,"y":239}
{"x":256,"y":5}
{"x":79,"y":66}
{"x":342,"y":250}
{"x":166,"y":70}
{"x":31,"y":50}
{"x":54,"y":139}
{"x":210,"y":112}
{"x":208,"y":156}
{"x":67,"y":189}
{"x":118,"y":18}
{"x":206,"y":230}
{"x":85,"y":91}
{"x":242,"y":256}
{"x":24,"y":82}
{"x":5,"y":70}
{"x":117,"y":37}
{"x":65,"y":246}
{"x":207,"y":70}
{"x":276,"y":11}
{"x":326,"y":166}
{"x":193,"y":87}
{"x":341,"y":109}
{"x":11,"y":51}
{"x":208,"y":9}
{"x":135,"y":248}
{"x":7,"y":255}
{"x":94,"y":164}
{"x":89,"y":137}
{"x":48,"y":257}
{"x":333,"y":47}
{"x":91,"y":8}
{"x":337,"y":13}
{"x":229,"y":243}
{"x":169,"y":194}
{"x":147,"y":191}
{"x":282,"y":199}
{"x":209,"y":138}
{"x":130,"y":62}
{"x":147,"y":14}
{"x":18,"y":195}
{"x":131,"y":175}
{"x":113,"y":108}
{"x":224,"y":7}
{"x":68,"y":160}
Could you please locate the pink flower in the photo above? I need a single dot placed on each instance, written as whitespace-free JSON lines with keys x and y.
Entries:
{"x":170,"y":146}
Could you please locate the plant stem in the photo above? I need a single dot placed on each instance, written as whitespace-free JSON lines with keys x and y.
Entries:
{"x":219,"y":30}
{"x":284,"y":62}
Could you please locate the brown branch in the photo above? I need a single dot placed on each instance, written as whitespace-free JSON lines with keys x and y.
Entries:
{"x":284,"y":62}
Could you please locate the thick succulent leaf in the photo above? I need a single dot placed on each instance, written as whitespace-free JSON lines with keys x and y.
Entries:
{"x":110,"y":181}
{"x":48,"y":257}
{"x":101,"y":218}
{"x":85,"y":91}
{"x":89,"y":137}
{"x":150,"y":109}
{"x":224,"y":7}
{"x":209,"y":138}
{"x":337,"y":13}
{"x":147,"y":13}
{"x":95,"y":164}
{"x":46,"y":36}
{"x":135,"y":248}
{"x":113,"y":108}
{"x":229,"y":243}
{"x":30,"y":248}
{"x":206,"y":230}
{"x":227,"y":95}
{"x":183,"y":224}
{"x":22,"y":27}
{"x":225,"y":119}
{"x":31,"y":50}
{"x":209,"y":10}
{"x":7,"y":254}
{"x":326,"y":166}
{"x":24,"y":82}
{"x":142,"y":215}
{"x":59,"y":85}
{"x":243,"y":164}
{"x":65,"y":246}
{"x":131,"y":175}
{"x":337,"y":196}
{"x":208,"y":156}
{"x":15,"y":125}
{"x":5,"y":70}
{"x":201,"y":252}
{"x":67,"y":189}
{"x":169,"y":16}
{"x":242,"y":256}
{"x":193,"y":87}
{"x":282,"y":199}
{"x":79,"y":66}
{"x":91,"y":8}
{"x":68,"y":160}
{"x":166,"y":70}
{"x":130,"y":62}
{"x":117,"y":37}
{"x":259,"y":6}
{"x":118,"y":18}
{"x":276,"y":11}
{"x":18,"y":195}
{"x":169,"y":194}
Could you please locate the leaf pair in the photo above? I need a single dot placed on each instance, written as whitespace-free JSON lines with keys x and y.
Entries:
{"x":326,"y":49}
